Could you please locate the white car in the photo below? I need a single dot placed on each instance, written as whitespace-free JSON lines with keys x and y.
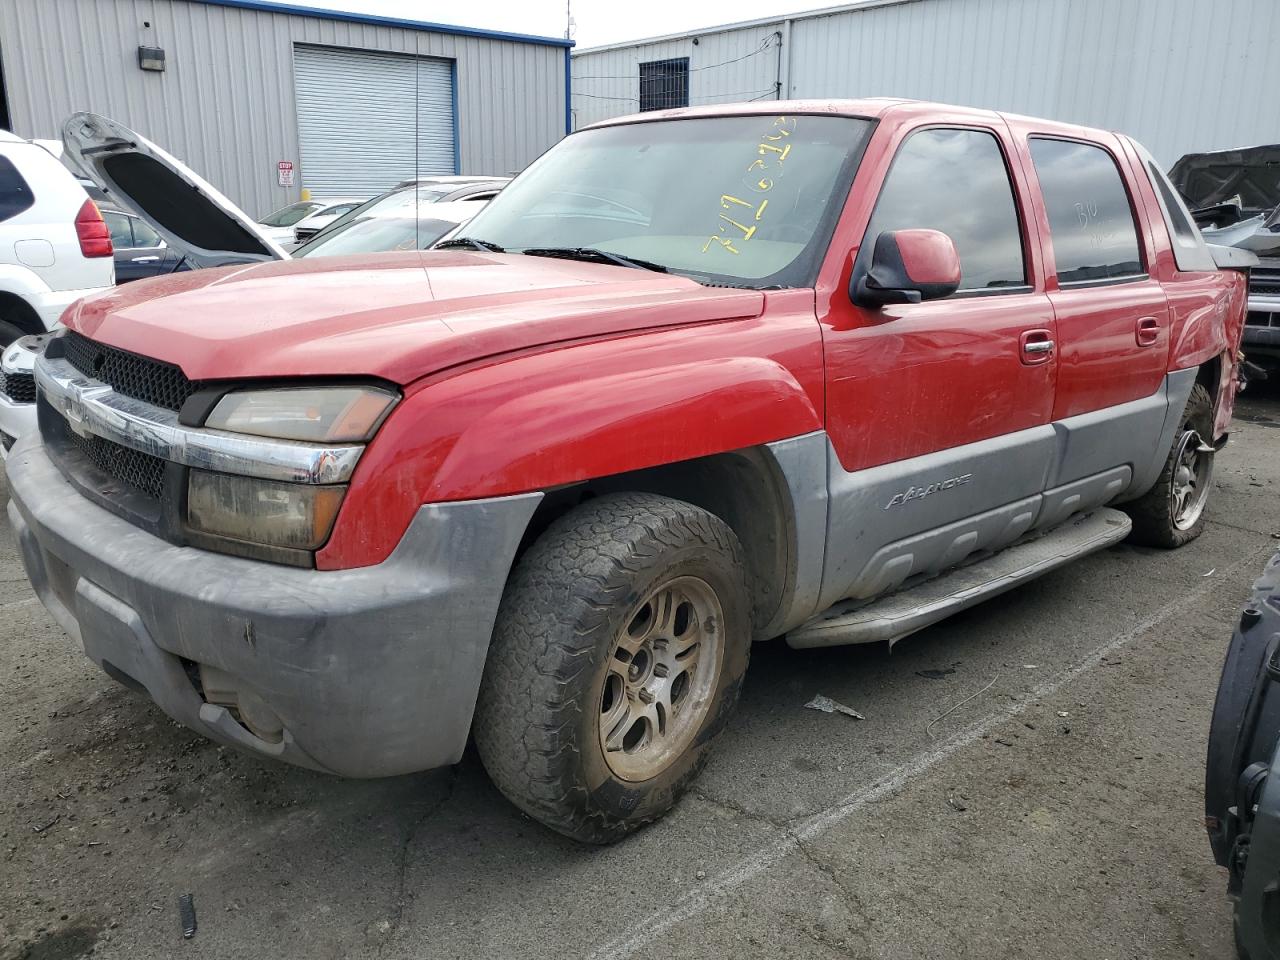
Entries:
{"x":18,"y":389}
{"x":217,"y":233}
{"x":280,"y":225}
{"x":54,"y":244}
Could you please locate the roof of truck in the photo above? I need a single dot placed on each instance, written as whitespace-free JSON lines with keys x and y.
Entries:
{"x":872,"y":108}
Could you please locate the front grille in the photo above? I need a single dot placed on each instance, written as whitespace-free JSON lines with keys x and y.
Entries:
{"x":139,"y":470}
{"x":18,"y":387}
{"x":1261,"y":318}
{"x":142,"y":378}
{"x":1264,"y":281}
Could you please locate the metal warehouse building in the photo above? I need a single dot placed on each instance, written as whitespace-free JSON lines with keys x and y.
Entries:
{"x":242,"y":89}
{"x":1180,"y":75}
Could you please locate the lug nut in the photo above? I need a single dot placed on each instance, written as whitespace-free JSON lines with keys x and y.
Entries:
{"x":660,"y":670}
{"x":646,"y":695}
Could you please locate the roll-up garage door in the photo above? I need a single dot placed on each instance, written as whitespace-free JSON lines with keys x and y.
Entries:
{"x":368,"y":120}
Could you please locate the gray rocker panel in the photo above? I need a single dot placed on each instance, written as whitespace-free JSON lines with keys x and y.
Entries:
{"x":891,"y":522}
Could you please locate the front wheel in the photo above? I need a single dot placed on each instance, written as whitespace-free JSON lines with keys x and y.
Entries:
{"x":1172,"y":512}
{"x":619,"y":650}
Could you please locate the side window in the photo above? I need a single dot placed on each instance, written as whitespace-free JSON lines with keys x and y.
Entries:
{"x":15,"y":195}
{"x":1091,"y":223}
{"x":1189,"y":250}
{"x":118,"y":225}
{"x":144,"y":236}
{"x":956,"y":181}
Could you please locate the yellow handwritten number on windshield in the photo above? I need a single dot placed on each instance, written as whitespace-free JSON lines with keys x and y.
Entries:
{"x":774,"y":157}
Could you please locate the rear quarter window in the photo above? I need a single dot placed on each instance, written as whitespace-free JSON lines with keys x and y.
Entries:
{"x":1091,"y":224}
{"x":1189,"y":249}
{"x":15,"y":194}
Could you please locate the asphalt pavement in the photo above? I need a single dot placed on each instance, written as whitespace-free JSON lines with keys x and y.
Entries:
{"x":1027,"y":782}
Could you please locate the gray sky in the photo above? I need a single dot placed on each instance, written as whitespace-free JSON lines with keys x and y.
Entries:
{"x":598,"y":21}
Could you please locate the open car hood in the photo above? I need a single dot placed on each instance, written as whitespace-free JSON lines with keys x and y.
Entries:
{"x":195,"y":219}
{"x":1250,"y":173}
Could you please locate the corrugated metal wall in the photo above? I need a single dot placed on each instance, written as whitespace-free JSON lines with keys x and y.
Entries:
{"x":225,"y":103}
{"x":1179,"y":75}
{"x":723,"y":68}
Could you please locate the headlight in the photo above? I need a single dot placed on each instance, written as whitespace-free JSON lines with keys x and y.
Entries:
{"x":313,"y":414}
{"x":295,"y":516}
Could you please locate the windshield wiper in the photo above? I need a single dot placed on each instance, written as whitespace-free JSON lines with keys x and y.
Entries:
{"x":593,"y":253}
{"x":472,"y":243}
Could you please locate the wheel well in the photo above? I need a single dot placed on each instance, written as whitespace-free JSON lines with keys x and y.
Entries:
{"x":1209,"y":375}
{"x":742,"y":488}
{"x":15,"y":310}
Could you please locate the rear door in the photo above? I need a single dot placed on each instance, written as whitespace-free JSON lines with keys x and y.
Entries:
{"x":1111,"y":314}
{"x":1113,"y":319}
{"x":139,"y":251}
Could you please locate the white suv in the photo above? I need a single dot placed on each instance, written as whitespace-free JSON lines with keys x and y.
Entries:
{"x":54,"y":245}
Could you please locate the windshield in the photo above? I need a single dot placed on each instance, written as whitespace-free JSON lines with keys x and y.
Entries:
{"x":288,"y":216}
{"x":748,"y":200}
{"x":369,"y":235}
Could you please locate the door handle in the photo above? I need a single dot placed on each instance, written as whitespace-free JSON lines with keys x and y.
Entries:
{"x":1037,"y":346}
{"x":145,"y":259}
{"x":1148,"y":331}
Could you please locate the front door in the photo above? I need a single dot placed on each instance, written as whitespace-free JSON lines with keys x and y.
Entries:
{"x":939,"y":412}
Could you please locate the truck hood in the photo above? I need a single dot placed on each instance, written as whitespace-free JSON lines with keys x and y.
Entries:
{"x":195,"y":219}
{"x":1252,"y":174}
{"x":395,"y":316}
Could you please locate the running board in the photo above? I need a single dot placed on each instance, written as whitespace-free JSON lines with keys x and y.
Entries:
{"x":900,"y":614}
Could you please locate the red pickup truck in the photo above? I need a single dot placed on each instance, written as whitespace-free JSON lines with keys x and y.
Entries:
{"x":832,"y":370}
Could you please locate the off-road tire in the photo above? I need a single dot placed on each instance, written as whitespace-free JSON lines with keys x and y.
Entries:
{"x":1152,"y":513}
{"x":537,"y":721}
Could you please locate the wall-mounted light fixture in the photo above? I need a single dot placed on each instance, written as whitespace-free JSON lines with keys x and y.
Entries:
{"x":151,"y":58}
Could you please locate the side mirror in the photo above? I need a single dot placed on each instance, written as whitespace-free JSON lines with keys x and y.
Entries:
{"x":907,"y":266}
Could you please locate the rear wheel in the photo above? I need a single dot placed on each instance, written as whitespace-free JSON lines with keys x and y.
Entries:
{"x":1172,"y":512}
{"x":620,"y":647}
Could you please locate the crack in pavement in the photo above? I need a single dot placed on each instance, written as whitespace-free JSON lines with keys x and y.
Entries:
{"x":853,"y":903}
{"x":402,"y":873}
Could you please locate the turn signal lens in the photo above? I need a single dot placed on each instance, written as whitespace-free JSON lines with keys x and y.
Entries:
{"x":296,"y":516}
{"x":313,"y":414}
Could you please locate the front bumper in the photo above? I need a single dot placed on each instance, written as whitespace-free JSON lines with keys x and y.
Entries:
{"x":16,"y":421}
{"x":371,"y":672}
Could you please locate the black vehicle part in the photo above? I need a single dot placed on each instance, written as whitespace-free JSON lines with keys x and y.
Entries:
{"x":1246,"y":724}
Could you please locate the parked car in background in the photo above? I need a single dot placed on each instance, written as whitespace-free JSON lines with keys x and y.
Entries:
{"x":1234,"y":197}
{"x":417,"y":194}
{"x":54,"y":245}
{"x":391,"y":230}
{"x":280,"y":225}
{"x":313,"y":223}
{"x":18,"y":388}
{"x":140,"y":252}
{"x":413,"y":215}
{"x":211,"y":231}
{"x":829,"y":369}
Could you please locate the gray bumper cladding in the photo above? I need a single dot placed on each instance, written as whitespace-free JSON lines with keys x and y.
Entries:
{"x":370,"y":672}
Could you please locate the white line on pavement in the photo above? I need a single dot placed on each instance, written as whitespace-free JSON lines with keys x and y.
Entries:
{"x":749,"y":867}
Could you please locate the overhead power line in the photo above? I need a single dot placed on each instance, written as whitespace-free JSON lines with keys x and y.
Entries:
{"x":767,"y":44}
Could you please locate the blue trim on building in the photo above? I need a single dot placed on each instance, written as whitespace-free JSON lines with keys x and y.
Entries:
{"x":457,"y":140}
{"x":568,"y":95}
{"x":269,"y":6}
